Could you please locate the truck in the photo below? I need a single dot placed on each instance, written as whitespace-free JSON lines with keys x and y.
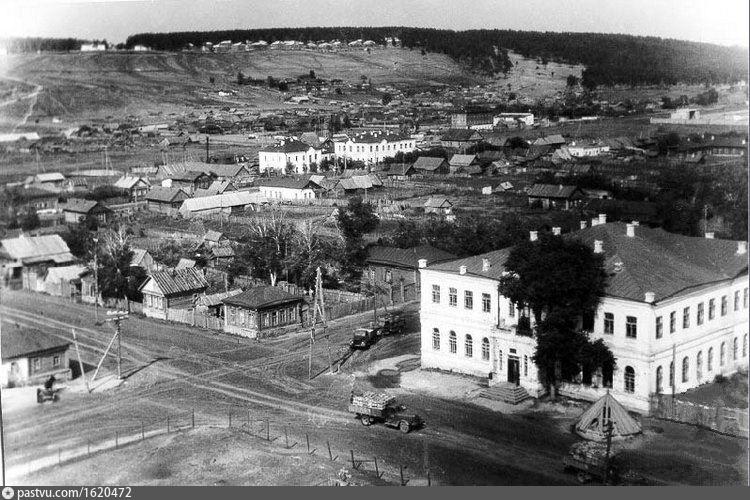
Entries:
{"x":588,"y":460}
{"x":363,"y":338}
{"x":377,"y":407}
{"x":392,"y":324}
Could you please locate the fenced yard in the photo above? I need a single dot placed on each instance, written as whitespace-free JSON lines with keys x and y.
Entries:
{"x":731,"y":421}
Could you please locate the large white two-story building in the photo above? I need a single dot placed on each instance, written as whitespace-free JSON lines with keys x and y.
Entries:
{"x":675,"y":309}
{"x":373,"y":147}
{"x":296,"y":153}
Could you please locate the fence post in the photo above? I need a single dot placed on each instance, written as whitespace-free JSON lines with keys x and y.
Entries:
{"x":192,"y":419}
{"x":401,"y":471}
{"x":330,"y":455}
{"x":143,"y":431}
{"x":307,"y":437}
{"x":377,"y":472}
{"x":230,"y":419}
{"x":268,"y":429}
{"x":167,"y":424}
{"x":117,"y":440}
{"x":59,"y":457}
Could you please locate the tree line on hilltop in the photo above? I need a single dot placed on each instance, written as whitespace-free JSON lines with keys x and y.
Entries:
{"x":609,"y":59}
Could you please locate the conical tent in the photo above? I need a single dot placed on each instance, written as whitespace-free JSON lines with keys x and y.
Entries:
{"x":594,"y":421}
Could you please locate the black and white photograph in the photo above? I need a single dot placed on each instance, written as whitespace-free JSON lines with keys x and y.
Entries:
{"x":391,"y":243}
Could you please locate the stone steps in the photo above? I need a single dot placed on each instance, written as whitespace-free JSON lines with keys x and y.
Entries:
{"x":506,"y":392}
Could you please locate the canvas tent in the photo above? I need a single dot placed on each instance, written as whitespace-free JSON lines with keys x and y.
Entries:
{"x":594,"y":421}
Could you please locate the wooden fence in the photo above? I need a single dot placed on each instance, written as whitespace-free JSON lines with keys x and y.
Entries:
{"x":730,"y":421}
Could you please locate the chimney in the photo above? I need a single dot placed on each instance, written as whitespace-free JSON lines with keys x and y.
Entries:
{"x":635,"y":223}
{"x":556,"y":231}
{"x":630,"y":230}
{"x":594,"y":222}
{"x":602,"y":218}
{"x":649,"y":297}
{"x":486,"y":265}
{"x":533,"y":235}
{"x":462,"y":270}
{"x":583,"y":224}
{"x":710,"y":235}
{"x":598,"y":246}
{"x":422,"y":263}
{"x":741,"y":247}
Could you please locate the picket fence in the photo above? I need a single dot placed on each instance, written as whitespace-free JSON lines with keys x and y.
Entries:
{"x":730,"y":421}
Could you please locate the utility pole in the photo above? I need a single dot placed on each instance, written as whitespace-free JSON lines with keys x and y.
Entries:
{"x":610,"y":429}
{"x":96,"y":279}
{"x":2,"y":431}
{"x":319,"y":311}
{"x":116,"y":317}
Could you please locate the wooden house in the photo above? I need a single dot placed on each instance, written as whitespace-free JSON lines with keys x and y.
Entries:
{"x":438,"y":205}
{"x":165,"y":200}
{"x":173,"y":289}
{"x":30,"y":357}
{"x":429,"y":165}
{"x":76,"y":210}
{"x":259,"y":311}
{"x":555,"y":196}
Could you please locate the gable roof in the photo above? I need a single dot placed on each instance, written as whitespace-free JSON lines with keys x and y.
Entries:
{"x":551,"y":140}
{"x":462,"y":160}
{"x":288,"y":146}
{"x":429,"y":163}
{"x":593,"y":422}
{"x":216,"y":187}
{"x":213,"y":236}
{"x":438,"y":202}
{"x":553,"y":191}
{"x":164,"y":194}
{"x":179,"y":281}
{"x":21,"y":342}
{"x":261,"y":297}
{"x":368,"y":181}
{"x":304,"y":182}
{"x":666,"y":264}
{"x":80,"y":206}
{"x":138,"y":255}
{"x":29,"y":249}
{"x":184,"y":263}
{"x":461,"y":135}
{"x":474,"y":265}
{"x":226,"y":200}
{"x":67,"y":273}
{"x":406,"y":257}
{"x":128,"y":182}
{"x":216,"y":299}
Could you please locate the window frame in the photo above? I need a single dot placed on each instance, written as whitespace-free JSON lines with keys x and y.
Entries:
{"x":686,"y":318}
{"x":629,"y":379}
{"x":436,"y":294}
{"x":453,"y":297}
{"x":485,"y":349}
{"x":700,"y":314}
{"x":468,"y":299}
{"x":468,"y":346}
{"x":435,"y":339}
{"x":659,"y":327}
{"x":672,"y":321}
{"x":631,"y":327}
{"x":724,"y":305}
{"x":486,"y":303}
{"x":685,"y":370}
{"x":452,"y":342}
{"x":609,"y":323}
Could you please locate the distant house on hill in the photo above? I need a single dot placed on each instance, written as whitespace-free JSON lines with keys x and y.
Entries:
{"x":165,"y":200}
{"x":465,"y":165}
{"x":289,"y":188}
{"x":137,"y":187}
{"x":555,"y":196}
{"x":438,"y":205}
{"x":76,"y":210}
{"x":460,"y":138}
{"x":228,"y":203}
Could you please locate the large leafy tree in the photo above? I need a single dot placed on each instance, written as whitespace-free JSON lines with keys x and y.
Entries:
{"x":354,"y":221}
{"x":560,"y":281}
{"x":115,"y":257}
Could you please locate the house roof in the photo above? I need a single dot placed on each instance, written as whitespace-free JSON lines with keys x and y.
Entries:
{"x":400,"y":170}
{"x":49,"y":177}
{"x":79,"y":206}
{"x":21,"y":342}
{"x":179,"y":281}
{"x":553,"y":191}
{"x":460,"y":135}
{"x":138,"y":255}
{"x":184,"y":263}
{"x":219,"y":169}
{"x":213,"y":236}
{"x":215,"y":299}
{"x":462,"y":160}
{"x":262,"y":297}
{"x":164,"y":194}
{"x":666,"y":264}
{"x":377,"y":137}
{"x":216,"y":187}
{"x":128,"y":182}
{"x":224,"y":251}
{"x":438,"y":202}
{"x":429,"y":163}
{"x":360,"y":182}
{"x":311,"y":138}
{"x":474,"y":265}
{"x":226,"y":200}
{"x":406,"y":257}
{"x":30,"y":249}
{"x":632,"y":210}
{"x":289,"y":146}
{"x":304,"y":182}
{"x":550,"y":140}
{"x":66,"y":273}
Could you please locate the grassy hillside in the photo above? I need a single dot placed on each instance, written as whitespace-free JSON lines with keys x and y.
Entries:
{"x":78,"y":85}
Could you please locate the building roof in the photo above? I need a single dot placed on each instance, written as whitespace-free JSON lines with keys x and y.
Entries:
{"x":666,"y":264}
{"x":226,"y":200}
{"x":224,"y":251}
{"x":164,"y":194}
{"x":128,"y":182}
{"x":66,"y":273}
{"x":553,"y":191}
{"x":406,"y":257}
{"x":79,"y":206}
{"x":213,"y":236}
{"x":400,"y":170}
{"x":138,"y":255}
{"x":368,"y":181}
{"x":288,"y":146}
{"x":550,"y":140}
{"x":179,"y":281}
{"x":304,"y":182}
{"x":216,"y":299}
{"x":262,"y":297}
{"x":429,"y":163}
{"x":30,"y":249}
{"x":49,"y":177}
{"x":475,"y":265}
{"x":377,"y":137}
{"x":438,"y":202}
{"x":21,"y":342}
{"x":311,"y":138}
{"x":225,"y":170}
{"x":216,"y":187}
{"x":460,"y":135}
{"x":462,"y":160}
{"x":184,"y":263}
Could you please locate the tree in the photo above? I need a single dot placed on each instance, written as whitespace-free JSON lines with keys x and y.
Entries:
{"x":560,"y":281}
{"x":312,"y":74}
{"x":355,"y":220}
{"x":572,"y":81}
{"x":211,"y":80}
{"x":115,"y":257}
{"x":79,"y":239}
{"x":386,"y":99}
{"x":30,"y":220}
{"x":268,"y":245}
{"x":240,"y":78}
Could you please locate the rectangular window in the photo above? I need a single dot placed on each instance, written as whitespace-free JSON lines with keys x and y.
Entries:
{"x":468,"y":299}
{"x":686,"y":318}
{"x":511,"y":309}
{"x":232,"y":316}
{"x":436,"y":294}
{"x":711,"y":309}
{"x":631,"y":327}
{"x":699,"y":315}
{"x":737,"y":300}
{"x":435,"y":339}
{"x":452,"y":297}
{"x":609,"y":323}
{"x":724,"y":305}
{"x":744,"y":298}
{"x":486,"y":302}
{"x":36,"y":364}
{"x":672,"y":322}
{"x":659,"y":327}
{"x":56,"y":361}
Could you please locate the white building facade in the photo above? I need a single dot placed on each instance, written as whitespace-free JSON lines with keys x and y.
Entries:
{"x":300,"y":155}
{"x":373,"y":147}
{"x":676,"y":308}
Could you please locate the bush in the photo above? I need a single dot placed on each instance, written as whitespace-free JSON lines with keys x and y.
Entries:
{"x":720,"y":379}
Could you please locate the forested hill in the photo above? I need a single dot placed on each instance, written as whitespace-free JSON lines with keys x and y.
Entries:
{"x":609,"y":59}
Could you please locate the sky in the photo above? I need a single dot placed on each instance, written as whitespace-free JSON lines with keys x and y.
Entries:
{"x":723,"y":22}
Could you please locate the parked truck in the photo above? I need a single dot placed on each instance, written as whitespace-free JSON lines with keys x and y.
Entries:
{"x":589,"y":461}
{"x":363,"y":338}
{"x":377,"y":407}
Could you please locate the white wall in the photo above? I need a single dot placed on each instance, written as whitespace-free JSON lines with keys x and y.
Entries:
{"x":372,"y":152}
{"x":283,"y":193}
